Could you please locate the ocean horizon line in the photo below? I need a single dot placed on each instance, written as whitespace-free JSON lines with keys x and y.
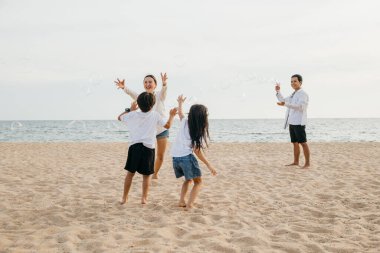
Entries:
{"x":4,"y":120}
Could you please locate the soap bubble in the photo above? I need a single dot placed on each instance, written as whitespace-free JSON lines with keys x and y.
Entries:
{"x":113,"y":126}
{"x":192,"y":100}
{"x":24,"y":65}
{"x":77,"y":124}
{"x":92,"y":83}
{"x":15,"y":125}
{"x":3,"y":62}
{"x":180,"y":60}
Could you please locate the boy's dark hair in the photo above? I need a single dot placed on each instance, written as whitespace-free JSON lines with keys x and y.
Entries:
{"x":299,"y":77}
{"x":146,"y":101}
{"x":198,"y":126}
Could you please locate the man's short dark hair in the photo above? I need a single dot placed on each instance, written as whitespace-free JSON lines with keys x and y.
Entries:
{"x":299,"y":77}
{"x":146,"y":101}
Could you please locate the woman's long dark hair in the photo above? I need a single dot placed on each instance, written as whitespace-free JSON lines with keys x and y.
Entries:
{"x":198,"y":126}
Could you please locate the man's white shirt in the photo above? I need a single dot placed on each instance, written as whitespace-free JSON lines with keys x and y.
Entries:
{"x":297,"y":103}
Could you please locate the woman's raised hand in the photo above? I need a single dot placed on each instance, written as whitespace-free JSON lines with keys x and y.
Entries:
{"x":164,"y":78}
{"x":120,"y":84}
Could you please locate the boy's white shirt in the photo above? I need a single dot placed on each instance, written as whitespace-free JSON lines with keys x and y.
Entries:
{"x":182,"y":144}
{"x":159,"y":105}
{"x":143,"y":127}
{"x":296,"y":113}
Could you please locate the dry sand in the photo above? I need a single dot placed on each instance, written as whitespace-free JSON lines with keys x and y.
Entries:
{"x":63,"y":197}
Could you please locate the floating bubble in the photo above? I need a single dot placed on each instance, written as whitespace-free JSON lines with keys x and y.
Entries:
{"x":269,"y":80}
{"x":3,"y":62}
{"x":227,"y":84}
{"x":93,"y":82}
{"x":24,"y":65}
{"x":96,"y":80}
{"x":240,"y":77}
{"x":78,"y":124}
{"x":180,"y":60}
{"x":272,"y":80}
{"x":192,"y":100}
{"x":88,"y":90}
{"x":250,"y":77}
{"x":113,"y":126}
{"x":15,"y":125}
{"x":246,"y":81}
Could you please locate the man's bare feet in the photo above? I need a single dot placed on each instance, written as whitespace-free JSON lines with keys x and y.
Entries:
{"x":292,"y":164}
{"x":182,"y":204}
{"x":123,"y":201}
{"x":306,"y":166}
{"x":143,"y":201}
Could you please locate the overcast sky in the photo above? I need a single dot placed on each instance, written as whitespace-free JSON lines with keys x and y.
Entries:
{"x":58,"y":59}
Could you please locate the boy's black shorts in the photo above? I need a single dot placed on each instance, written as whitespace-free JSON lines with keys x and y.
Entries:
{"x":140,"y":159}
{"x":297,"y":133}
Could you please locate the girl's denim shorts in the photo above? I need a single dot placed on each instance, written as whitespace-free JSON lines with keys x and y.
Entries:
{"x":186,"y":166}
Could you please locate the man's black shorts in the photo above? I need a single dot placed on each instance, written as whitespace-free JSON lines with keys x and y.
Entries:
{"x":297,"y":133}
{"x":140,"y":159}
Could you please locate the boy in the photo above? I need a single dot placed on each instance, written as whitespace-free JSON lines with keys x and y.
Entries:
{"x":296,"y":117}
{"x":143,"y":129}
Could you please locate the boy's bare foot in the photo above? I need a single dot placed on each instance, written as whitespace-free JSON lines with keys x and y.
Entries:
{"x":306,"y":166}
{"x":123,"y":201}
{"x":182,"y":204}
{"x":144,"y":201}
{"x":292,"y":164}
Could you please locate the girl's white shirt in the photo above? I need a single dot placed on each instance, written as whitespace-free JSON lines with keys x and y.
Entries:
{"x":182,"y":144}
{"x":159,"y":105}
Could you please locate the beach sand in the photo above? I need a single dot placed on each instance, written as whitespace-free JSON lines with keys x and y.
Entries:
{"x":63,"y":197}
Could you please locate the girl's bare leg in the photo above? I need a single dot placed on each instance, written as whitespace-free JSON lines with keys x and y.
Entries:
{"x":194,"y":192}
{"x":127,"y":186}
{"x":145,"y":189}
{"x":161,"y":148}
{"x":185,"y":187}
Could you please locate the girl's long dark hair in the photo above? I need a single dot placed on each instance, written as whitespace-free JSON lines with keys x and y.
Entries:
{"x":198,"y":126}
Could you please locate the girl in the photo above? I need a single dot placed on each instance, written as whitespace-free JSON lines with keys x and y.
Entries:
{"x":150,"y":85}
{"x":192,"y":137}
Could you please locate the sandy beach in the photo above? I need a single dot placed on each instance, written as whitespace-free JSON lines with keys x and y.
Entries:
{"x":63,"y":197}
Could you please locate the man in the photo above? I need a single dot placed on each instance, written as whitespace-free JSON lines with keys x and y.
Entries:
{"x":296,"y":117}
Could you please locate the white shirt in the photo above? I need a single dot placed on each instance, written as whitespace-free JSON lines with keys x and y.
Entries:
{"x":159,"y":106}
{"x":182,"y":145}
{"x":297,"y":103}
{"x":143,"y":127}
